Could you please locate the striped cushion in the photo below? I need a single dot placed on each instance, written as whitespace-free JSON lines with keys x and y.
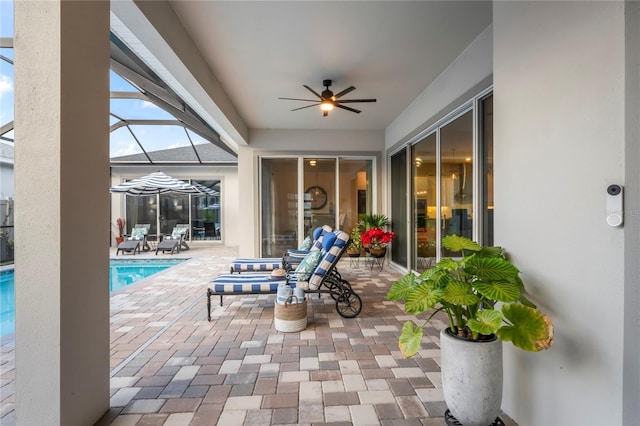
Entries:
{"x":252,"y":283}
{"x":298,"y":254}
{"x":329,"y":259}
{"x":262,"y":283}
{"x":256,"y":264}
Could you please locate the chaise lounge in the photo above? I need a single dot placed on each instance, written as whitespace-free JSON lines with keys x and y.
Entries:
{"x":175,"y":241}
{"x":324,"y":278}
{"x":135,"y":242}
{"x":288,"y":261}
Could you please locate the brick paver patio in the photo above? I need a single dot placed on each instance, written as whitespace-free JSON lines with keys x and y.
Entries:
{"x":170,"y":366}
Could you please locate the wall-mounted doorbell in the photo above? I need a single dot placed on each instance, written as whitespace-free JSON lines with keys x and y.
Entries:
{"x":615,"y":215}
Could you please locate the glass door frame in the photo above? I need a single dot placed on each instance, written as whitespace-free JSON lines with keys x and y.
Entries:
{"x":301,"y":186}
{"x":474,"y":105}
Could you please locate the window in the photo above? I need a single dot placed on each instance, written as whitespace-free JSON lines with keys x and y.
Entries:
{"x":446,"y":160}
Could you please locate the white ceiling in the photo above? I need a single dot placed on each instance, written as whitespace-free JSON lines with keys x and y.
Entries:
{"x":260,"y":51}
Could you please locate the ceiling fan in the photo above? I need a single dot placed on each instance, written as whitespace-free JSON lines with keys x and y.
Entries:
{"x":327,"y":100}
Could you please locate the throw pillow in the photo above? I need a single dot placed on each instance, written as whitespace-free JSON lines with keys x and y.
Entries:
{"x":308,"y":265}
{"x":137,"y":233}
{"x":317,"y":232}
{"x":327,"y":241}
{"x":306,"y":244}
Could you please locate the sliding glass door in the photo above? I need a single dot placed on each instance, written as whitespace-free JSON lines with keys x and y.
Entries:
{"x":399,"y":207}
{"x":451,"y":185}
{"x":279,"y":189}
{"x":333,"y":190}
{"x":425,"y":218}
{"x":456,"y":177}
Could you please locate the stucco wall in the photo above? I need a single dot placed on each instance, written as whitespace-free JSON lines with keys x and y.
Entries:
{"x":469,"y":73}
{"x":559,"y":141}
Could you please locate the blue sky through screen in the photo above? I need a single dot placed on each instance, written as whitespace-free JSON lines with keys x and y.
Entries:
{"x":122,"y":142}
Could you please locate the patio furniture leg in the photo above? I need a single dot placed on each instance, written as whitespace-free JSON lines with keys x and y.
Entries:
{"x":209,"y":305}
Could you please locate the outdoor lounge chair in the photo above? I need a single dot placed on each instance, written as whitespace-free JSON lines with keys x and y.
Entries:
{"x":184,"y":229}
{"x":173,"y":242}
{"x":145,"y":229}
{"x":287,"y":261}
{"x":129,"y":246}
{"x":134,"y":242}
{"x":324,"y":279}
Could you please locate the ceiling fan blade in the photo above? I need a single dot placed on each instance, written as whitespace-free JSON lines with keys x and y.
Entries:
{"x":308,"y":106}
{"x":344,"y":92}
{"x":351,"y":101}
{"x":347,"y":108}
{"x":311,"y":90}
{"x":298,"y":99}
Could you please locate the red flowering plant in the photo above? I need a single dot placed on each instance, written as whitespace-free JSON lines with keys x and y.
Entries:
{"x":377,"y":238}
{"x":120,"y":222}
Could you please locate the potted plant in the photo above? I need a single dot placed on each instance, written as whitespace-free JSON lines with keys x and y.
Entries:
{"x":376,"y":240}
{"x":355,"y":243}
{"x":369,"y":221}
{"x":120,"y":223}
{"x":482,"y":295}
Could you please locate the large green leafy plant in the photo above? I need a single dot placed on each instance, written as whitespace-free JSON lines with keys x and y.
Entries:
{"x":482,"y":294}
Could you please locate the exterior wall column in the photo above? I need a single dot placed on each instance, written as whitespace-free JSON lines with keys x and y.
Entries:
{"x":62,"y":211}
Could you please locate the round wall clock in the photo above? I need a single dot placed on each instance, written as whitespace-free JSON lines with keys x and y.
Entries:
{"x":318,"y":197}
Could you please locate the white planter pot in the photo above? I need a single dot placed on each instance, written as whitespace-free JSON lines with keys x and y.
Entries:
{"x":471,"y":379}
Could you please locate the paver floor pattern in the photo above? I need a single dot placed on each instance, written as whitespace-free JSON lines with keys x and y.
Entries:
{"x":170,"y":366}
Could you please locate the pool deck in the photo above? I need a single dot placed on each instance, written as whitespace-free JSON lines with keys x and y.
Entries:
{"x":170,"y":366}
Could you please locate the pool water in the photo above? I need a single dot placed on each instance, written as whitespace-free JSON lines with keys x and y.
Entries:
{"x":121,"y":274}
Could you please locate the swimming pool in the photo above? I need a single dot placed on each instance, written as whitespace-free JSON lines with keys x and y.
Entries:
{"x":121,"y":274}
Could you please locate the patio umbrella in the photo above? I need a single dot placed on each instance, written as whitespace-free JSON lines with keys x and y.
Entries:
{"x":155,"y":183}
{"x":205,"y":190}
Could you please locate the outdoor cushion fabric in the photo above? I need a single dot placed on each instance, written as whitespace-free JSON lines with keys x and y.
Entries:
{"x":306,"y":244}
{"x":317,"y":232}
{"x":256,"y":264}
{"x":318,"y":235}
{"x":177,"y":232}
{"x":264,"y":283}
{"x":308,"y":264}
{"x":329,"y":259}
{"x":137,"y":233}
{"x":252,"y":283}
{"x":327,"y":241}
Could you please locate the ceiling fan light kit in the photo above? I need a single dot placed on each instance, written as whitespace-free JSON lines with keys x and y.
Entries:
{"x":328,"y":101}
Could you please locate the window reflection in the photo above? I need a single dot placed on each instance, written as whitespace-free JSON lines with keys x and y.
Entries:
{"x":456,"y":177}
{"x":205,"y":211}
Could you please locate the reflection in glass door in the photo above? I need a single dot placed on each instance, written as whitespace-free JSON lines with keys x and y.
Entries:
{"x":456,"y":177}
{"x":355,"y":192}
{"x":486,"y":120}
{"x":319,"y":193}
{"x":279,"y":189}
{"x":399,"y":248}
{"x":174,"y":210}
{"x":423,"y":160}
{"x":206,"y":212}
{"x":334,"y":191}
{"x":142,"y":210}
